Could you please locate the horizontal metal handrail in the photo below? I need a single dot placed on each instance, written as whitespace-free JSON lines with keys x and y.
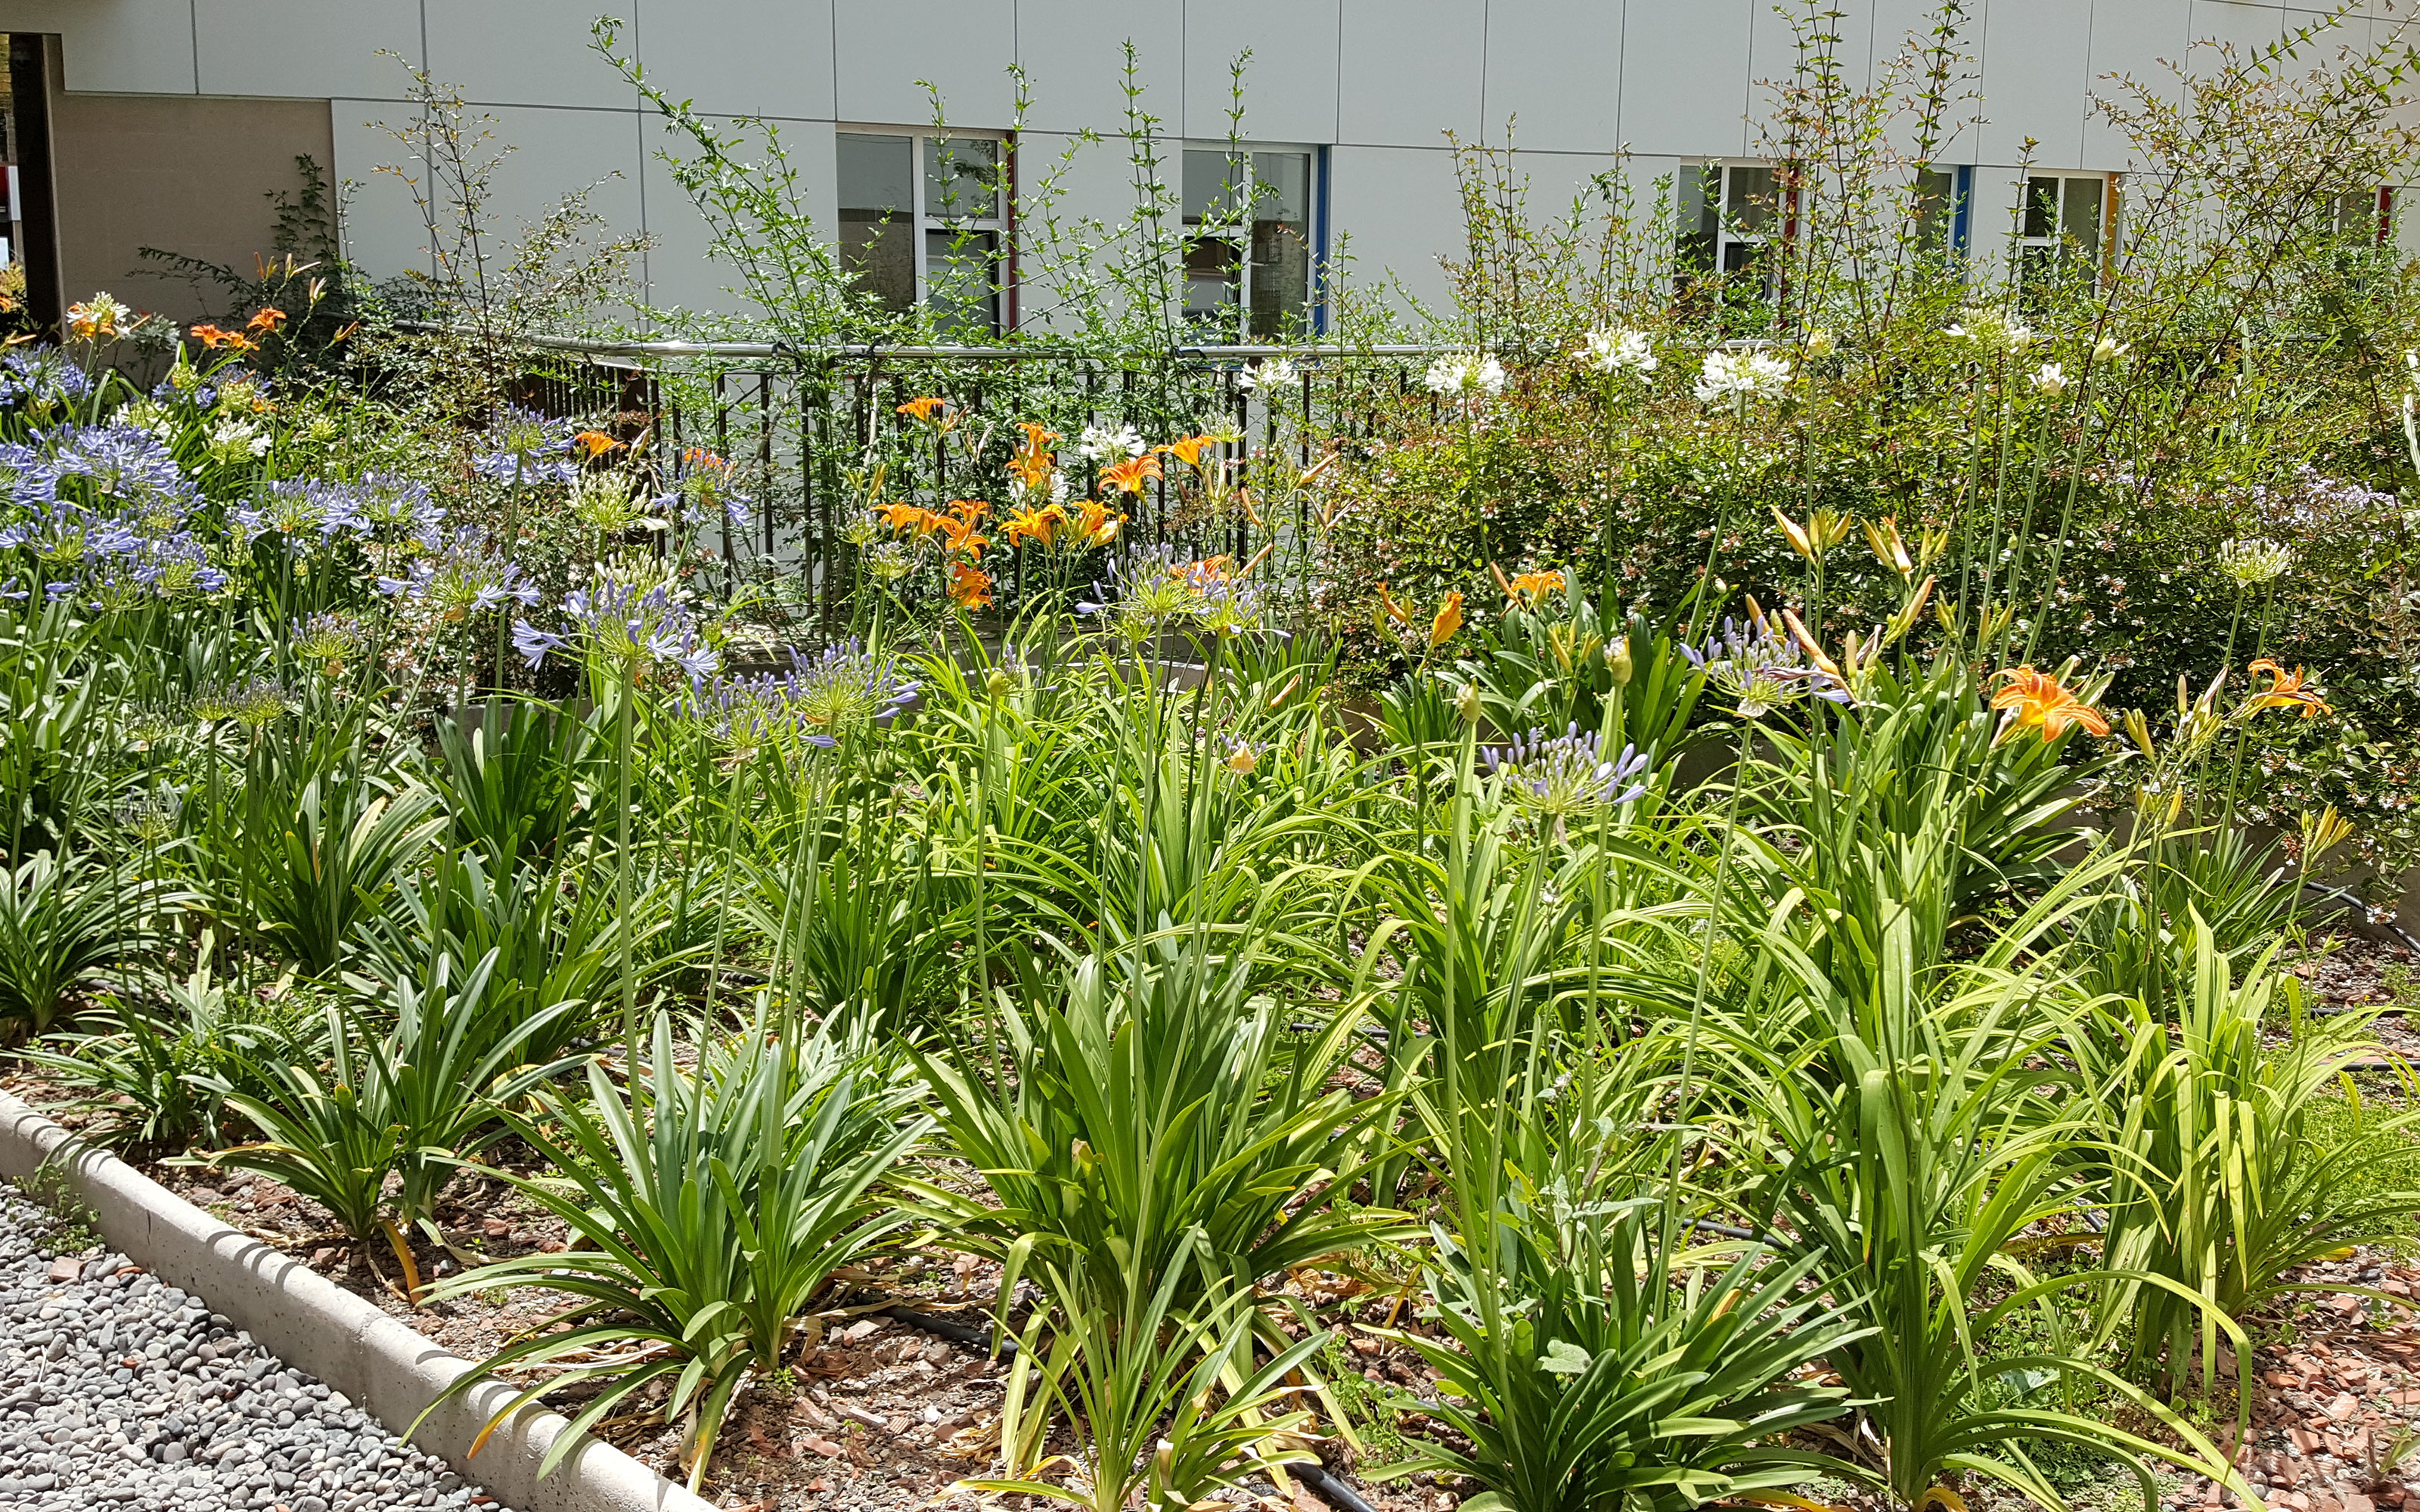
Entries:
{"x":588,"y":346}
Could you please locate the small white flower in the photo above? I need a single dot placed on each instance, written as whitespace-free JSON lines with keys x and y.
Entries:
{"x":2108,"y":350}
{"x":1276,"y":373}
{"x":1741,"y":375}
{"x":2049,"y":381}
{"x":1615,"y":350}
{"x":233,"y":440}
{"x":1465,"y":377}
{"x":1820,"y":343}
{"x":1100,"y":443}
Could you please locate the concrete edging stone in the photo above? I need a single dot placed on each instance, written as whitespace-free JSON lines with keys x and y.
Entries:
{"x":311,"y":1323}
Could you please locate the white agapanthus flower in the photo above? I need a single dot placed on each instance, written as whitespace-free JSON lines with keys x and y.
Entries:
{"x":1466,"y":377}
{"x":1741,"y":376}
{"x":2108,"y":350}
{"x":1276,"y":373}
{"x":1822,"y":342}
{"x":1991,"y":329}
{"x":1103,"y":443}
{"x":1616,"y":350}
{"x":2252,"y":562}
{"x":232,"y":441}
{"x":2049,"y":380}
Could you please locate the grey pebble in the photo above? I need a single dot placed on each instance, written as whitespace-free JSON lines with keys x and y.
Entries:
{"x":205,"y":1419}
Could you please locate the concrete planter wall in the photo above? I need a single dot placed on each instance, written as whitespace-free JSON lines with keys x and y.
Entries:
{"x":312,"y":1324}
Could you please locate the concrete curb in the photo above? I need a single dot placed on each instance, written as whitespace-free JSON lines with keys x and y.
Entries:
{"x":311,"y":1323}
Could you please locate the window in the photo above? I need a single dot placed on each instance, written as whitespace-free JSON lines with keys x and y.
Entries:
{"x":1939,"y":207}
{"x":2366,"y":215}
{"x":1732,"y":217}
{"x":923,"y":221}
{"x":2060,"y":226}
{"x":1247,"y":265}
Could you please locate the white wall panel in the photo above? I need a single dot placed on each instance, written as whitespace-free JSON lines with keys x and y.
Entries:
{"x":1411,"y":70}
{"x":383,"y":230}
{"x":1401,"y":209}
{"x":1073,"y":56}
{"x":741,"y":57}
{"x":2036,"y":58}
{"x":1554,"y":66}
{"x":1684,"y":78}
{"x":528,"y":53}
{"x":310,"y":48}
{"x":2135,"y":48}
{"x":136,"y":47}
{"x":1091,"y":196}
{"x":963,"y":47}
{"x":1290,"y":85}
{"x":680,"y":268}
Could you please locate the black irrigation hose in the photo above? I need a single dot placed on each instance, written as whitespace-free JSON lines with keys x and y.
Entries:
{"x":1323,"y":1484}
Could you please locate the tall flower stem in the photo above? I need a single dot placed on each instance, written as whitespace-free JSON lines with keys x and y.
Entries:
{"x":1685,"y":1095}
{"x":625,"y":738}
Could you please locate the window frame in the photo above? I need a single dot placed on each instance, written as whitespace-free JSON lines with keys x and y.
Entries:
{"x":924,"y":221}
{"x":1778,"y":229}
{"x":1238,"y":237}
{"x":2023,"y":245}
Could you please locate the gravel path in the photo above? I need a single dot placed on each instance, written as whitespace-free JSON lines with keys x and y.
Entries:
{"x":117,"y":1392}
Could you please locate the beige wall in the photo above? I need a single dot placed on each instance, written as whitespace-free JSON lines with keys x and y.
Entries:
{"x":187,"y":173}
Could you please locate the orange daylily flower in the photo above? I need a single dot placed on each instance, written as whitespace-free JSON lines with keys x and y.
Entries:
{"x":1530,"y":589}
{"x":1128,"y":475}
{"x":928,"y":409}
{"x":1096,"y":524}
{"x":1034,"y":462}
{"x":902,"y":516}
{"x":267,"y":321}
{"x":596,"y":442}
{"x":1448,"y":620}
{"x":969,"y":587}
{"x":1040,"y":526}
{"x":1189,"y":449}
{"x":212,"y":337}
{"x":1036,"y":434}
{"x":968,"y":511}
{"x":1389,"y":610}
{"x":2286,"y":690}
{"x":2036,"y":699}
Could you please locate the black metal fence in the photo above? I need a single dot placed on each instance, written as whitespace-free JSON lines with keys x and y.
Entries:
{"x":804,"y":428}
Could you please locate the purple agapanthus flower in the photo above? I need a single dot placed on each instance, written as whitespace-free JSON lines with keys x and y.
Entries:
{"x":462,"y":577}
{"x":1761,"y":670}
{"x":1567,"y":774}
{"x":521,"y":448}
{"x":639,"y":627}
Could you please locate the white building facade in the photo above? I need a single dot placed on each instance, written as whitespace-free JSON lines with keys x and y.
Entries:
{"x":170,"y":121}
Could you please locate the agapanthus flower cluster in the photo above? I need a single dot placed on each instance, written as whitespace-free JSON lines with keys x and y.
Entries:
{"x":115,"y":466}
{"x":1465,"y":377}
{"x":172,"y":566}
{"x":1741,"y":376}
{"x":293,"y":507}
{"x":1617,"y":350}
{"x":1566,"y":775}
{"x":845,"y":691}
{"x":1761,"y":670}
{"x":641,"y":627}
{"x":1104,"y":442}
{"x":1275,"y":374}
{"x":259,"y":701}
{"x":702,"y":489}
{"x":392,"y":507}
{"x":463,"y":576}
{"x":38,"y":376}
{"x":329,"y":640}
{"x":151,"y":816}
{"x":66,"y":535}
{"x":523,"y":448}
{"x":1991,"y":329}
{"x":2254,"y":562}
{"x":1155,"y":591}
{"x":234,"y":443}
